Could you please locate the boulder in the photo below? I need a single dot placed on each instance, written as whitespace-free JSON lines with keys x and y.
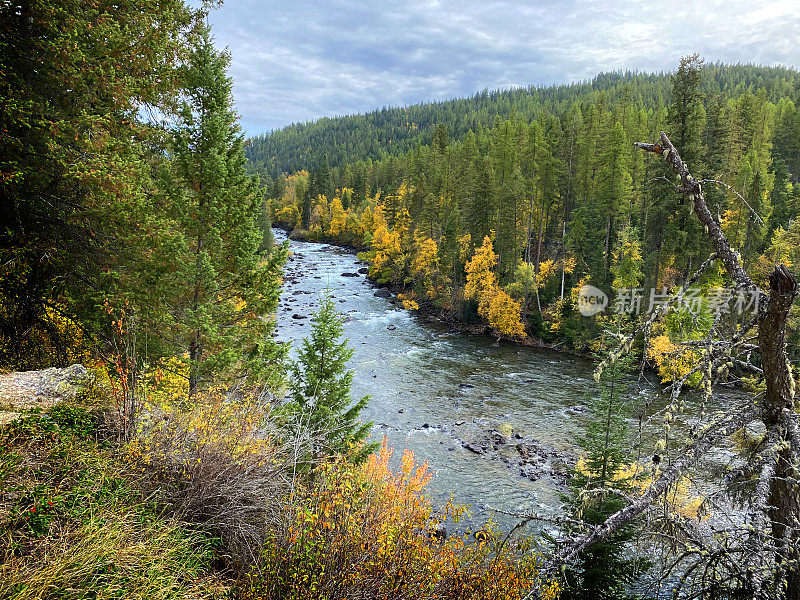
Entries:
{"x":41,"y":389}
{"x":526,"y":456}
{"x":475,"y":447}
{"x":382,"y":293}
{"x":438,"y":532}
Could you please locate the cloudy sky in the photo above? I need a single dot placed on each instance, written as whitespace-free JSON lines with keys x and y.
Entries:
{"x":295,"y":60}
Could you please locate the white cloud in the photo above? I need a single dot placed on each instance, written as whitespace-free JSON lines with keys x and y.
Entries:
{"x":310,"y":58}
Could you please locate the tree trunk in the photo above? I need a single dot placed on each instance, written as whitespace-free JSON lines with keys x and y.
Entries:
{"x":784,"y":500}
{"x":605,"y":246}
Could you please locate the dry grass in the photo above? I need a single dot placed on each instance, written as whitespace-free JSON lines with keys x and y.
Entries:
{"x":220,"y":463}
{"x":73,"y":522}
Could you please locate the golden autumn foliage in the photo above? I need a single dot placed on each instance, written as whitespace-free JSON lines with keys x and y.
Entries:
{"x":500,"y":310}
{"x":674,"y":362}
{"x":368,"y":532}
{"x":409,"y":300}
{"x":338,"y":222}
{"x":391,"y":251}
{"x":425,"y":266}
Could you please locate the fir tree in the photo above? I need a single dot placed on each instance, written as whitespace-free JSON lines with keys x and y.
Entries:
{"x":226,"y":287}
{"x":779,"y":197}
{"x":614,"y":185}
{"x":324,"y":179}
{"x":687,"y":115}
{"x":265,"y":226}
{"x":304,"y":198}
{"x":279,"y":187}
{"x":320,"y":390}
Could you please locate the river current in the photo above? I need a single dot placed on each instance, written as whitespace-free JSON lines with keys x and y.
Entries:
{"x":426,"y":381}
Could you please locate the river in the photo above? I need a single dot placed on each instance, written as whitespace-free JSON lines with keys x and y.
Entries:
{"x":427,"y":383}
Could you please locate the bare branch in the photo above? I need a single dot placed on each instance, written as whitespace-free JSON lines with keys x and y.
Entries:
{"x":693,"y":188}
{"x":712,"y":434}
{"x":722,"y":183}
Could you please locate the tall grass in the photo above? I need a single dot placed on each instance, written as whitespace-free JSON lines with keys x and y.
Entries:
{"x":73,"y":523}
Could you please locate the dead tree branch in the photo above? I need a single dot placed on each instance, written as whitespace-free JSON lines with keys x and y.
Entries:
{"x":765,"y":560}
{"x":713,"y":433}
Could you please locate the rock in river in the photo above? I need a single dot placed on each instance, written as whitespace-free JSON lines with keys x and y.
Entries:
{"x":525,"y":455}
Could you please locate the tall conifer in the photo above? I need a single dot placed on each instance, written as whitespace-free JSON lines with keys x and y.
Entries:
{"x":227,"y":287}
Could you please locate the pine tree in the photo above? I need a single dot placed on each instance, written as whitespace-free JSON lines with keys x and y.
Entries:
{"x":305,"y":196}
{"x":226,"y":287}
{"x":320,"y":390}
{"x":278,"y":187}
{"x":686,"y":122}
{"x":626,"y":266}
{"x":481,"y":201}
{"x":324,"y":179}
{"x":614,"y":185}
{"x":687,"y":115}
{"x":78,"y":210}
{"x":508,"y":234}
{"x":603,"y":572}
{"x":360,"y":188}
{"x":779,"y":197}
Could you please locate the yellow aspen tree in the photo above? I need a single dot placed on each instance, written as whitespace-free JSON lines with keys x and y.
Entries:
{"x":498,"y":308}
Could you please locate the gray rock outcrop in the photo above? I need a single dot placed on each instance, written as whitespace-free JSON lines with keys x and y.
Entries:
{"x":40,"y":389}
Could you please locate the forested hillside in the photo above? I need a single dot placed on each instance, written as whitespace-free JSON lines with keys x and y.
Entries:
{"x":396,"y":130}
{"x":531,"y":194}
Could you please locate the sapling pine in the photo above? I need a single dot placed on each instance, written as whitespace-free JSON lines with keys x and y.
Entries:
{"x":321,"y":405}
{"x":598,"y":488}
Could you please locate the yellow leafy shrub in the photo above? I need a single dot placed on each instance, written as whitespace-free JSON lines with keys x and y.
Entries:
{"x":390,"y":251}
{"x":338,"y":223}
{"x":368,"y":532}
{"x":409,"y":300}
{"x":673,"y":361}
{"x":503,"y":313}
